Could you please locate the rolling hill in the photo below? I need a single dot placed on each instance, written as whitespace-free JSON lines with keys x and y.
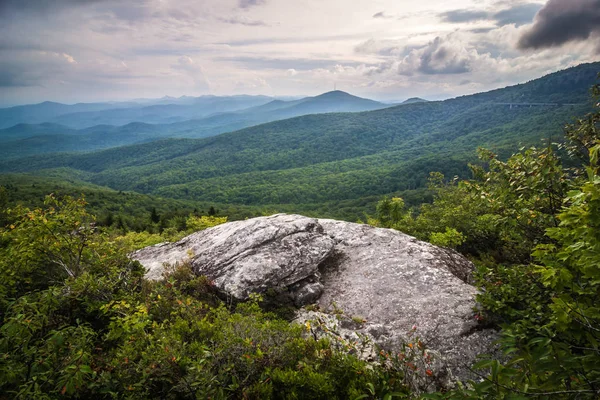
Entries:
{"x":328,"y":159}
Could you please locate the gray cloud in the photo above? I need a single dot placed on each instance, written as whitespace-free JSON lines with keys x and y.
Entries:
{"x":250,"y":3}
{"x":481,"y":30}
{"x":33,"y":68}
{"x":519,"y":14}
{"x":439,"y":57}
{"x":42,"y":5}
{"x":188,"y":66}
{"x":242,"y":21}
{"x":381,"y":47}
{"x":459,"y":16}
{"x":290,"y":40}
{"x":261,"y":63}
{"x":13,"y":76}
{"x":130,"y":10}
{"x":381,"y":14}
{"x":559,"y":22}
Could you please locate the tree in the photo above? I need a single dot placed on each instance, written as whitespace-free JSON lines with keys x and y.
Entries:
{"x":553,"y":320}
{"x":154,"y":217}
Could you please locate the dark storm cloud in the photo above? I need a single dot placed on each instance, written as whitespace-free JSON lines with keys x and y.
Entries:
{"x":519,"y":15}
{"x":250,"y":3}
{"x":458,"y":16}
{"x":560,"y":21}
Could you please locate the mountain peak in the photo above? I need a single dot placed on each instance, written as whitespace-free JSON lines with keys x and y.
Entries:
{"x":335,"y":94}
{"x":414,"y":100}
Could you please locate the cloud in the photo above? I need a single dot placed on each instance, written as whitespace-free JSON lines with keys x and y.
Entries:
{"x":560,"y":21}
{"x":299,"y":64}
{"x":519,"y":14}
{"x":242,"y":21}
{"x":380,"y":47}
{"x":42,"y":6}
{"x":481,"y":30}
{"x":252,"y":85}
{"x":69,"y":58}
{"x":250,"y":3}
{"x":109,"y":11}
{"x":189,"y":67}
{"x":11,"y":76}
{"x":382,"y":14}
{"x":460,"y":16}
{"x":441,"y":56}
{"x":34,"y":68}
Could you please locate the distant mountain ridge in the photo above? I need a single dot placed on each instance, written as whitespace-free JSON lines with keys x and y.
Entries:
{"x":335,"y":158}
{"x":168,"y":110}
{"x":83,"y":115}
{"x":27,"y":139}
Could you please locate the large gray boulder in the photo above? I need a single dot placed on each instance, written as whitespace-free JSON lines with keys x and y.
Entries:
{"x":389,"y":280}
{"x":252,"y":256}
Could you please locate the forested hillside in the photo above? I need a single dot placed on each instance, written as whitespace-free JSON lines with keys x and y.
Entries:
{"x":126,"y":211}
{"x":317,"y":159}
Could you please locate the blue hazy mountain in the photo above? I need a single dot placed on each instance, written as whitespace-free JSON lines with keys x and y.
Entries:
{"x":163,"y":110}
{"x":48,"y":111}
{"x":27,"y":139}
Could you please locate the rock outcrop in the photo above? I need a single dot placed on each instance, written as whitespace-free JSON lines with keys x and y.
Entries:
{"x":243,"y":257}
{"x":391,"y":280}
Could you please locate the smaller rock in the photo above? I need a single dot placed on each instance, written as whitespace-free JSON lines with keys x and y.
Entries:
{"x":307,"y":291}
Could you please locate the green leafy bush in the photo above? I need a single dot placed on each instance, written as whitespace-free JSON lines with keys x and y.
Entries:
{"x":79,"y":321}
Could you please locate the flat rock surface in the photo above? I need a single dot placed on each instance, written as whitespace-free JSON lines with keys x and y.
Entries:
{"x":391,"y":280}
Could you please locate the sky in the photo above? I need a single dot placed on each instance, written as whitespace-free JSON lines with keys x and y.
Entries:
{"x":99,"y":50}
